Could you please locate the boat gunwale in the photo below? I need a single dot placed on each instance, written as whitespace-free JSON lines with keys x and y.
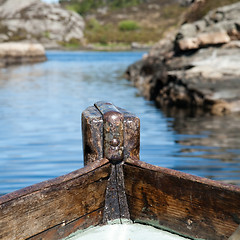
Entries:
{"x":210,"y":184}
{"x":180,"y":202}
{"x":182,"y":175}
{"x":53,"y":182}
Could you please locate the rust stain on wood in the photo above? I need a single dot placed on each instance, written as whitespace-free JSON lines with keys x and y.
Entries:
{"x":188,"y":205}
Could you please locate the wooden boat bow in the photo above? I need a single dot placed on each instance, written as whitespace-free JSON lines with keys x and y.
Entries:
{"x":111,"y":141}
{"x":115,"y":186}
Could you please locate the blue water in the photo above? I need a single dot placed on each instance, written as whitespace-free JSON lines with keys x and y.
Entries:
{"x":40,"y":108}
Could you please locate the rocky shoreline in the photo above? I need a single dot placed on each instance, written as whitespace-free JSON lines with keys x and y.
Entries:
{"x":34,"y":21}
{"x":19,"y":53}
{"x":29,"y":26}
{"x":197,"y":67}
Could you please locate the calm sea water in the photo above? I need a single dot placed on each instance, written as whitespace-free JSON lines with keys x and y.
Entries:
{"x":40,"y":108}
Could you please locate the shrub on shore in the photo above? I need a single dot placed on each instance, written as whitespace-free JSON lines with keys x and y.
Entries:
{"x":128,"y":25}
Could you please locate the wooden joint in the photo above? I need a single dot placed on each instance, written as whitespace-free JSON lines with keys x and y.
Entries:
{"x":116,"y":206}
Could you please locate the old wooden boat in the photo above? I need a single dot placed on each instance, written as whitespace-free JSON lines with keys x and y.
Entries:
{"x":115,"y":186}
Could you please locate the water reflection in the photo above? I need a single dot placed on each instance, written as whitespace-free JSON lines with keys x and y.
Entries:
{"x":214,"y":141}
{"x":40,"y":107}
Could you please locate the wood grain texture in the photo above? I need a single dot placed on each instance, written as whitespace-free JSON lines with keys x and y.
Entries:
{"x":116,"y":206}
{"x":131,"y":135}
{"x":112,"y":131}
{"x":65,"y":229}
{"x":93,"y":139}
{"x":189,"y":205}
{"x":92,"y":134}
{"x":35,"y":209}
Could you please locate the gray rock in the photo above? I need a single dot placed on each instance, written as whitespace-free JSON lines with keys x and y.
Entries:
{"x":35,"y":21}
{"x":200,"y":25}
{"x":206,"y":77}
{"x":219,"y":26}
{"x":188,"y":29}
{"x":18,"y":53}
{"x":232,"y":44}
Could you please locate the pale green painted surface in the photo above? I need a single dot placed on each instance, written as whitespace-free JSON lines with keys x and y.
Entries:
{"x":124,"y":232}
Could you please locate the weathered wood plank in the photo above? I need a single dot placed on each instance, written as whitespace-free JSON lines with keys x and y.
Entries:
{"x":112,"y":207}
{"x":116,"y":206}
{"x":40,"y":207}
{"x":189,"y":205}
{"x":92,"y":134}
{"x":122,"y":198}
{"x":65,"y":229}
{"x":131,"y":135}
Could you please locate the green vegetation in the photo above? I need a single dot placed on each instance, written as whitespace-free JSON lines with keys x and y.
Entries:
{"x":108,"y":29}
{"x":93,"y":24}
{"x":121,"y":22}
{"x":73,"y":7}
{"x":72,"y":44}
{"x":116,"y":22}
{"x":85,"y":6}
{"x":171,"y":12}
{"x":128,"y":25}
{"x":196,"y":14}
{"x":111,"y":46}
{"x":112,"y":34}
{"x":46,"y":34}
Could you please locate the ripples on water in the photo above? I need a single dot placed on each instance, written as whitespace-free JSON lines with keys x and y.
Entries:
{"x":40,"y":107}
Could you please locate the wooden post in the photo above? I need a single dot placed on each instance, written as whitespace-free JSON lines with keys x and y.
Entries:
{"x":109,"y":132}
{"x":112,"y":133}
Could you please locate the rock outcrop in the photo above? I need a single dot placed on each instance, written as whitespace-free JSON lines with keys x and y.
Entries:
{"x":18,"y":53}
{"x":35,"y":21}
{"x":197,"y":67}
{"x":217,"y":27}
